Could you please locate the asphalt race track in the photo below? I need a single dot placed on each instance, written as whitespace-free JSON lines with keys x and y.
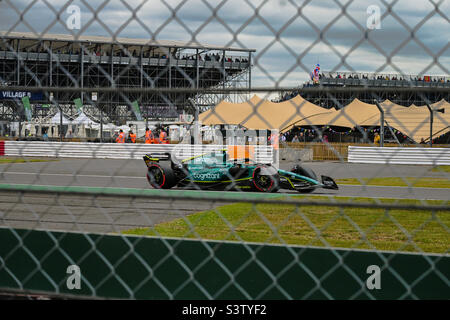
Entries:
{"x":97,"y":214}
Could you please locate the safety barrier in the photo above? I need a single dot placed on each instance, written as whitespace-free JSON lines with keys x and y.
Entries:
{"x":116,"y":151}
{"x":424,"y":156}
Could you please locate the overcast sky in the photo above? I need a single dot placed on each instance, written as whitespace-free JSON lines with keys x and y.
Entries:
{"x":281,"y":33}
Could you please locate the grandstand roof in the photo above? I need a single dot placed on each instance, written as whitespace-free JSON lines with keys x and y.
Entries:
{"x":116,"y":40}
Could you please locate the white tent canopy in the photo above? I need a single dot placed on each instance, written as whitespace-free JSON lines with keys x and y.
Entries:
{"x":56,"y":119}
{"x":82,"y":119}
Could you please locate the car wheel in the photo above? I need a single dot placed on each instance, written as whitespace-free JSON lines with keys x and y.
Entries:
{"x":160,"y":176}
{"x":266,"y":179}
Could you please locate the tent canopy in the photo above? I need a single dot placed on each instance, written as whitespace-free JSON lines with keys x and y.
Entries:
{"x":56,"y":119}
{"x":82,"y":119}
{"x":350,"y":116}
{"x":262,"y":114}
{"x":230,"y":113}
{"x":283,"y":115}
{"x":256,"y":113}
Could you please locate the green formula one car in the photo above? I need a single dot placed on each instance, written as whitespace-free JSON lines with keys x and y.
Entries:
{"x":215,"y":171}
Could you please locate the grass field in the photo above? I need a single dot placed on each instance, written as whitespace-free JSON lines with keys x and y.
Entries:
{"x":441,"y":169}
{"x":270,"y":223}
{"x":399,"y":182}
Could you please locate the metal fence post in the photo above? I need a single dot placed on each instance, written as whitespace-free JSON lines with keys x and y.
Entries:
{"x":381,"y":123}
{"x":431,"y":124}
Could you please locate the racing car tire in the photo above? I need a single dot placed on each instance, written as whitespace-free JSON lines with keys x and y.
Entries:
{"x":264,"y":185}
{"x":161,"y":176}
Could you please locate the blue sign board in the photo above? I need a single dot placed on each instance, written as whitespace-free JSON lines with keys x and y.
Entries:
{"x":19,"y":95}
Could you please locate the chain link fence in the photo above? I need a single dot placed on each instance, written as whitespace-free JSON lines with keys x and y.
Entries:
{"x":337,"y":188}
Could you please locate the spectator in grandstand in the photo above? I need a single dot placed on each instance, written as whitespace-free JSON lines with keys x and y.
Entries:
{"x":302,"y":137}
{"x":295,"y":139}
{"x":282,"y":138}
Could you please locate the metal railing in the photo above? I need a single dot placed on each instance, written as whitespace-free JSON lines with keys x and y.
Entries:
{"x":99,"y":222}
{"x":384,"y":83}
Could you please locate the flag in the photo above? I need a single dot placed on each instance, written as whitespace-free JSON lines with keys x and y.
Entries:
{"x":79,"y":105}
{"x":137,"y":111}
{"x":27,"y":107}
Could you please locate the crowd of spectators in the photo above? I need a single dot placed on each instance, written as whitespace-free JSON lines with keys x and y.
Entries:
{"x":381,"y":77}
{"x":211,"y":57}
{"x":328,"y":135}
{"x":124,"y":52}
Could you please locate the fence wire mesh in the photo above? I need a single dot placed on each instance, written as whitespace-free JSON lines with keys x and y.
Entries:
{"x":334,"y":189}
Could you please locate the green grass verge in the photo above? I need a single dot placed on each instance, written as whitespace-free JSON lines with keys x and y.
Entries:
{"x":23,"y":160}
{"x":268,"y":223}
{"x":441,"y":169}
{"x":399,"y":182}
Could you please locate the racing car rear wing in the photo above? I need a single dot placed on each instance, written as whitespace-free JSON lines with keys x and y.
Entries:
{"x":156,"y":157}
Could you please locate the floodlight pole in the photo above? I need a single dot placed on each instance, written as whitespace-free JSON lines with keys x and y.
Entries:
{"x":101,"y":124}
{"x":196,"y":123}
{"x":20,"y":126}
{"x":196,"y":112}
{"x":381,"y":123}
{"x":60,"y":124}
{"x":432,"y":120}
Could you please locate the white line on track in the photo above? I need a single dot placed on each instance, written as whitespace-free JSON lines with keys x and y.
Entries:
{"x":69,"y":175}
{"x":144,"y":178}
{"x":293,"y":193}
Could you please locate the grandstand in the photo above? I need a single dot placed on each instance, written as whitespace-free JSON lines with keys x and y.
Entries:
{"x":404,"y":90}
{"x":64,"y":61}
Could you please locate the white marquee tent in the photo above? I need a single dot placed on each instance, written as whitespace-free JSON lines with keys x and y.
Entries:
{"x":56,"y":119}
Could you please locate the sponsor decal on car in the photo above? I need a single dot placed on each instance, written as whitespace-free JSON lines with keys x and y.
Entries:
{"x":206,"y":176}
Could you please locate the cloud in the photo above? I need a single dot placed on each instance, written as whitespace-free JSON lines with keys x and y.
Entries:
{"x":256,"y":24}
